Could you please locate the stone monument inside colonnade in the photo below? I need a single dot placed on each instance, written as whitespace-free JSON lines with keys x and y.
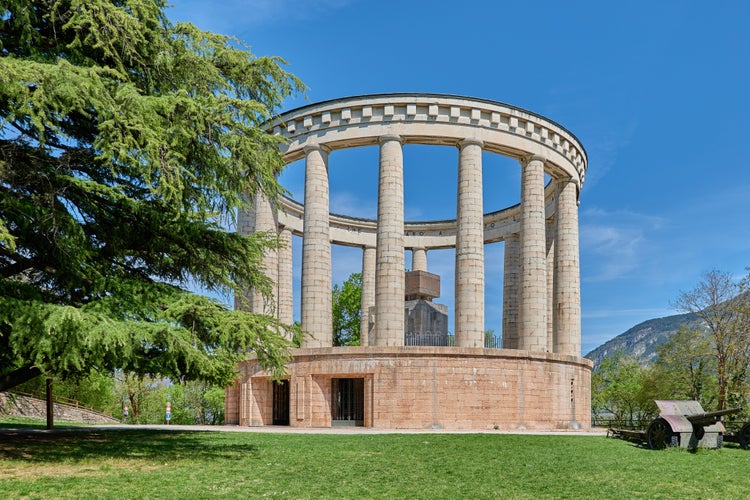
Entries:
{"x":537,"y":380}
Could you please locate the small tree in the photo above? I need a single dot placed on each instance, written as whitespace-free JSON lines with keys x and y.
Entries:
{"x":136,"y":391}
{"x":196,"y":402}
{"x":95,"y":390}
{"x":620,"y":387}
{"x":723,"y":307}
{"x":686,"y":367}
{"x":347,"y":307}
{"x":738,"y":392}
{"x":491,"y":340}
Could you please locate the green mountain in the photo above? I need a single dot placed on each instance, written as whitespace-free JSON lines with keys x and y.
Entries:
{"x":641,"y":340}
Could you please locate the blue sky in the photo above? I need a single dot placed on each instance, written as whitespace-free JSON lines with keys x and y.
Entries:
{"x":657,"y":92}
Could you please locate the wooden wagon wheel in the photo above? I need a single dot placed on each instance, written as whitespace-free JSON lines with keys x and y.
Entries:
{"x":659,"y":434}
{"x":745,"y":436}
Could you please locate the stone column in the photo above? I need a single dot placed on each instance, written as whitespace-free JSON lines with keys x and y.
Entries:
{"x":245,"y":224}
{"x":469,"y":294}
{"x":550,"y":256}
{"x":260,"y":218}
{"x":418,"y":259}
{"x":389,"y":266}
{"x":285,"y":283}
{"x":316,"y":252}
{"x":567,"y":286}
{"x":511,"y":281}
{"x":533,"y":302}
{"x":368,"y":294}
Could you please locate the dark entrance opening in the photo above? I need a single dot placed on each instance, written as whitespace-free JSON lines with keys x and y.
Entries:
{"x":348,"y":402}
{"x":281,"y":402}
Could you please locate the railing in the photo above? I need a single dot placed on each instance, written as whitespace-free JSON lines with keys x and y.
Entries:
{"x":620,"y":423}
{"x":493,"y":342}
{"x":428,"y":339}
{"x":65,"y":401}
{"x":446,"y":339}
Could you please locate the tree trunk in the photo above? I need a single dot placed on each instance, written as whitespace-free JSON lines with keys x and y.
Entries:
{"x":50,"y":406}
{"x":18,"y":377}
{"x":133,"y":405}
{"x":721,"y":372}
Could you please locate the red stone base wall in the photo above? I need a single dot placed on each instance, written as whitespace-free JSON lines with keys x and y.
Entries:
{"x":425,"y":387}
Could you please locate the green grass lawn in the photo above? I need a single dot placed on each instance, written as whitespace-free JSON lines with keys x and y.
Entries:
{"x":100,"y":463}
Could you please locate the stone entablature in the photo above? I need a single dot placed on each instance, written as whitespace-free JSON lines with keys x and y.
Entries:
{"x":430,"y":235}
{"x":431,"y":119}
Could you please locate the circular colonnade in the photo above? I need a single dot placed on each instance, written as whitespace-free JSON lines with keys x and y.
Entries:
{"x":541,"y":288}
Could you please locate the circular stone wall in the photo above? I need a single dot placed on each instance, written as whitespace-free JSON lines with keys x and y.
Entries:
{"x":426,"y":387}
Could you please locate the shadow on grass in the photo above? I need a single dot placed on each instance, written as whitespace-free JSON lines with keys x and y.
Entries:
{"x":86,"y":445}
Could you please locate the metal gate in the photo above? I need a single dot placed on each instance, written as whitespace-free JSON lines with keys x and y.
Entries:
{"x":281,"y":402}
{"x":348,"y":402}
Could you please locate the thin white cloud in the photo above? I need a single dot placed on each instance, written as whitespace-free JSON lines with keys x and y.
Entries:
{"x":414,"y":213}
{"x":604,"y":151}
{"x":648,"y":312}
{"x":614,"y":243}
{"x":623,"y":216}
{"x":352,"y":205}
{"x":616,"y":249}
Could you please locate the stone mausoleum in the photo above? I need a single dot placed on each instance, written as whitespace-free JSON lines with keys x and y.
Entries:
{"x":405,"y":375}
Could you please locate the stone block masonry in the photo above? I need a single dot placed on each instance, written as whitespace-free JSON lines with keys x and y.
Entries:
{"x":433,"y":387}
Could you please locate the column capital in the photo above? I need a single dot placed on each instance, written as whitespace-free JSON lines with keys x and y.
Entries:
{"x":390,"y":137}
{"x":566,"y":180}
{"x":470,"y":141}
{"x":314,"y":146}
{"x":525,"y":160}
{"x":561,"y":184}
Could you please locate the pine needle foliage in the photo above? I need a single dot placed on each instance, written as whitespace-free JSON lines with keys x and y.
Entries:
{"x":127,"y":143}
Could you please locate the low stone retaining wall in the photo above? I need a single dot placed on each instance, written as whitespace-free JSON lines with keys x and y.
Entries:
{"x":24,"y":406}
